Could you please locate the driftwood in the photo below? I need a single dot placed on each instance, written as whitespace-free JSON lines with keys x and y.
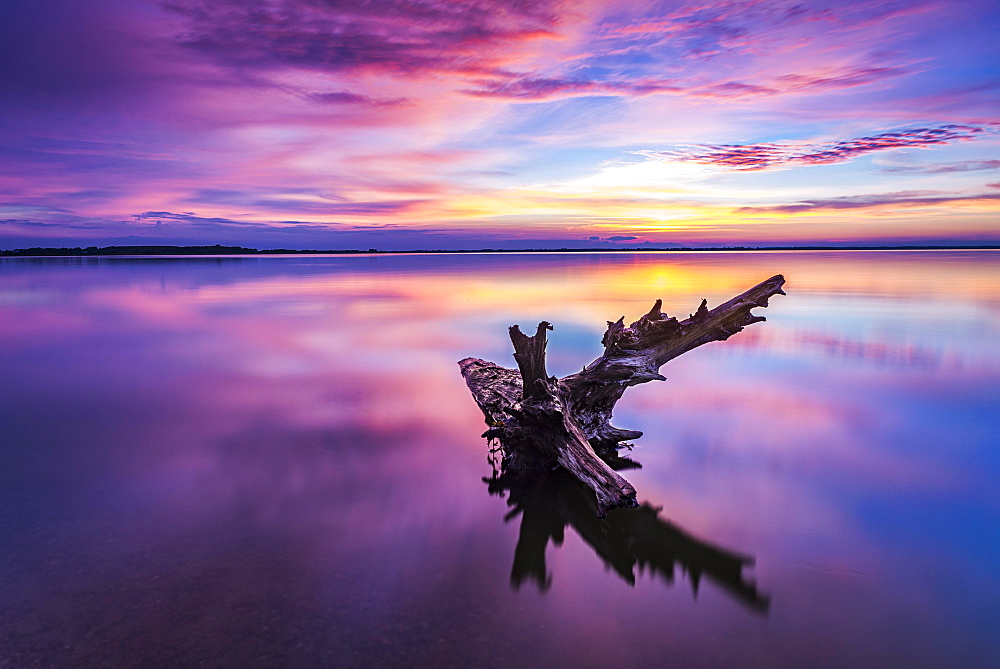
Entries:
{"x":626,"y":540}
{"x":541,"y":422}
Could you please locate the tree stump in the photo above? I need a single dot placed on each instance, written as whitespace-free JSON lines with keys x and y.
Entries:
{"x":542,"y":422}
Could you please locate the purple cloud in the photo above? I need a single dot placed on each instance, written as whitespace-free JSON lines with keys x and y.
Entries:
{"x":946,"y":168}
{"x":772,"y":155}
{"x":373,"y":209}
{"x":844,"y":78}
{"x":513,"y":86}
{"x":399,"y":36}
{"x":484,"y":38}
{"x":735,"y":89}
{"x":348,"y":98}
{"x":48,"y":224}
{"x":706,"y":30}
{"x":901,"y":199}
{"x":615,"y":238}
{"x":547,"y":88}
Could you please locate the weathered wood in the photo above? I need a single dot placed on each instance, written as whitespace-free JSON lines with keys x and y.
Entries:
{"x":542,"y":422}
{"x":529,"y":352}
{"x":635,"y":354}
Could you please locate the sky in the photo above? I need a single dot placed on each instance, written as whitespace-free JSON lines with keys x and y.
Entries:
{"x":464,"y":124}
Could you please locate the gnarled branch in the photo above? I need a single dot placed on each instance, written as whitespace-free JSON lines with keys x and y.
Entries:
{"x":542,"y":422}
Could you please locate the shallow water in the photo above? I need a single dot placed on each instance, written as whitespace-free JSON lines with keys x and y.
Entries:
{"x":269,"y":460}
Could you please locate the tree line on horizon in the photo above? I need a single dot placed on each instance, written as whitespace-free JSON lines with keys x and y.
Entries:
{"x":218,"y":249}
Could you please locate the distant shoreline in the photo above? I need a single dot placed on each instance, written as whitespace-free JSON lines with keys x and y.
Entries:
{"x":218,"y":249}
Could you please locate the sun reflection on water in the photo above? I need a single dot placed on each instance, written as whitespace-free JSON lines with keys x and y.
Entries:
{"x":284,"y":445}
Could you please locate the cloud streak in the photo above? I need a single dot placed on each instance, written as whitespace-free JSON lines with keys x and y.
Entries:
{"x":780,"y":155}
{"x":552,"y":88}
{"x":899,"y":199}
{"x":510,"y":86}
{"x":947,"y":168}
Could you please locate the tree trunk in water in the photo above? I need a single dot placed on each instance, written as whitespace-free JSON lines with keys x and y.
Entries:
{"x":542,"y":422}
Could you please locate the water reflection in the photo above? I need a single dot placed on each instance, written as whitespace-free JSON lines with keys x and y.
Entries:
{"x":627,"y":539}
{"x":268,"y":461}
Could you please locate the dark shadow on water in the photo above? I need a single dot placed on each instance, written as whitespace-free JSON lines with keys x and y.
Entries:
{"x":626,"y":539}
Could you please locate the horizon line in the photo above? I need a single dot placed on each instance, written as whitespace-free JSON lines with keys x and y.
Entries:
{"x":219,"y":249}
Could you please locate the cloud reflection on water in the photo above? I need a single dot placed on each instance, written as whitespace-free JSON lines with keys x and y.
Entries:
{"x":281,"y":451}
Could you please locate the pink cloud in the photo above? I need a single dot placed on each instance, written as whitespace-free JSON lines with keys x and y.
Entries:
{"x":511,"y":86}
{"x":844,"y":78}
{"x":356,"y":36}
{"x":548,"y":88}
{"x":772,"y":155}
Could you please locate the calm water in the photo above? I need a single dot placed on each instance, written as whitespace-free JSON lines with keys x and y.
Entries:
{"x":267,"y":460}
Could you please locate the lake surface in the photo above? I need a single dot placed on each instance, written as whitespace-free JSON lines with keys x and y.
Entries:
{"x":274,"y":460}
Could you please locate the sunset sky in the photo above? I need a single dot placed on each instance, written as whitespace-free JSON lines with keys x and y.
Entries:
{"x":436,"y":124}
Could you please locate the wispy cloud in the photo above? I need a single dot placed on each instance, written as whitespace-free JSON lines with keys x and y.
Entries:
{"x":777,"y":155}
{"x":486,"y":45}
{"x":840,"y":78}
{"x":946,"y":168}
{"x":550,"y":88}
{"x":706,"y":29}
{"x":899,"y":199}
{"x":373,"y":209}
{"x":613,"y":238}
{"x":511,"y":86}
{"x":158,"y":218}
{"x":50,"y":224}
{"x":348,"y":98}
{"x":397,"y":36}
